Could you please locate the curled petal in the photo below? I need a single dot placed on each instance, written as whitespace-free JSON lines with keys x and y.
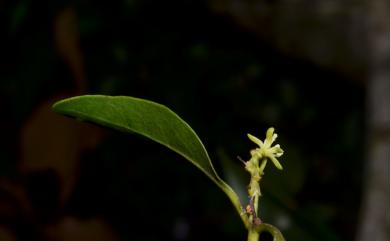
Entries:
{"x":275,"y":148}
{"x":274,"y":136}
{"x":279,"y":154}
{"x":277,"y":151}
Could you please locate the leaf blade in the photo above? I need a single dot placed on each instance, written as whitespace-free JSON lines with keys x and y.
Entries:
{"x":149,"y":119}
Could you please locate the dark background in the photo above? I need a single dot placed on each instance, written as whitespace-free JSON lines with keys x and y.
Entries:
{"x":62,"y":180}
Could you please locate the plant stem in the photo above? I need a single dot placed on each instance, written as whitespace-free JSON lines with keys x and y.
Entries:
{"x":253,"y":235}
{"x":260,"y":156}
{"x":256,"y":205}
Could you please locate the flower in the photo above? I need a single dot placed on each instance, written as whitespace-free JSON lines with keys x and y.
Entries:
{"x":266,"y":150}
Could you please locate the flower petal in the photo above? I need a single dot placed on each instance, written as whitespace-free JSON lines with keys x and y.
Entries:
{"x":270,"y":133}
{"x":277,"y":151}
{"x":276,"y":162}
{"x":256,"y":140}
{"x":274,"y":136}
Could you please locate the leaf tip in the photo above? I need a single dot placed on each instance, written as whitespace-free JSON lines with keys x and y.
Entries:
{"x":56,"y":107}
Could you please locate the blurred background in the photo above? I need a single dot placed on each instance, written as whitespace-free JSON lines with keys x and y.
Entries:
{"x":315,"y":70}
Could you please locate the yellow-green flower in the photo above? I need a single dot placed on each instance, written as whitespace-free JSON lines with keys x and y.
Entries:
{"x":266,"y":150}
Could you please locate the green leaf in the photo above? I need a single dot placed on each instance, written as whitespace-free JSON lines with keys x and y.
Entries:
{"x":149,"y":119}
